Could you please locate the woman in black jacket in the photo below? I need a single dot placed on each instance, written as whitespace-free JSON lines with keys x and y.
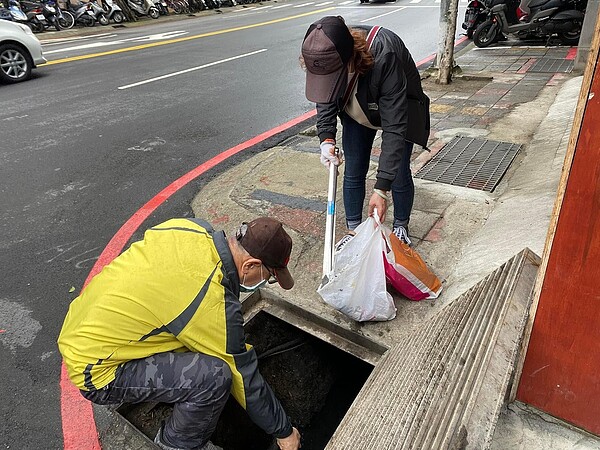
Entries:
{"x":367,"y":76}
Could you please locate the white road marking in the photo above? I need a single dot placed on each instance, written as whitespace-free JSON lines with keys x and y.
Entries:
{"x":151,"y":37}
{"x":390,"y":7}
{"x":281,"y":6}
{"x":263,"y":7}
{"x":384,"y":14}
{"x":74,"y":38}
{"x":192,"y":69}
{"x":323,"y":4}
{"x":245,"y":9}
{"x":303,"y":4}
{"x":415,"y":1}
{"x":347,"y":2}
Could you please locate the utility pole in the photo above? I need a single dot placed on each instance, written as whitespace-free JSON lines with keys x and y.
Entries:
{"x":445,"y":55}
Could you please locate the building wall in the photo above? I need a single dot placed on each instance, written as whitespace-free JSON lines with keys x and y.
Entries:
{"x":561,"y":373}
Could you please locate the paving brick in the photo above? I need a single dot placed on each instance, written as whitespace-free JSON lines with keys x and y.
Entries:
{"x":473,"y":110}
{"x":301,"y":220}
{"x":440,"y":108}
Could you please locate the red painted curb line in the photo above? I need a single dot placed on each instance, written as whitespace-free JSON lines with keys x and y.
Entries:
{"x":78,"y":425}
{"x":433,"y":56}
{"x":572,"y":54}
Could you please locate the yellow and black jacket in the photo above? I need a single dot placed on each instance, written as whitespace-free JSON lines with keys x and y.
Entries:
{"x":177,"y":290}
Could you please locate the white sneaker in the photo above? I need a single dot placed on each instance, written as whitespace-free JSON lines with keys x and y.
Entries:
{"x":343,"y":241}
{"x":402,"y":233}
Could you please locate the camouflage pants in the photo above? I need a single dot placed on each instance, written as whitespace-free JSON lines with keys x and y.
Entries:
{"x":197,"y":385}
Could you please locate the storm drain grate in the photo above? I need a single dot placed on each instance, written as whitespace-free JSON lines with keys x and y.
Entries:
{"x":472,"y":163}
{"x":552,"y":65}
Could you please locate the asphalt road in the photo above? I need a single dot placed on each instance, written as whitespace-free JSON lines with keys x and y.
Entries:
{"x":83,"y":145}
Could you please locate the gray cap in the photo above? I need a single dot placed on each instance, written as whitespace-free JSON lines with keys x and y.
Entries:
{"x":327,"y":48}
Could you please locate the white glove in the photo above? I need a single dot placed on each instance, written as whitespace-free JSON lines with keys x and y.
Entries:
{"x":328,"y":153}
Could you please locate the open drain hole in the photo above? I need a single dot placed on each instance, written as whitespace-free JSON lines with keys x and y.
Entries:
{"x":315,"y":381}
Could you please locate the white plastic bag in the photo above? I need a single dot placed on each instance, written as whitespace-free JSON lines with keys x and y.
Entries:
{"x":358,"y":287}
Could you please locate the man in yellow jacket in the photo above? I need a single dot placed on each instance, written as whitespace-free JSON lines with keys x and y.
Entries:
{"x":163,"y":322}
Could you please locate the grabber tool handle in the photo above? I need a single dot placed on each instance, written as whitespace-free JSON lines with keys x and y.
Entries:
{"x":330,"y":219}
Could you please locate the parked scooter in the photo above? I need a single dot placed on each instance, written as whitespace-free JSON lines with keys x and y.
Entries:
{"x":475,"y":15}
{"x":478,"y":11}
{"x":547,"y":18}
{"x":64,"y":19}
{"x":81,"y":14}
{"x":48,"y":9}
{"x":98,"y":13}
{"x":35,"y":16}
{"x":161,"y":5}
{"x":143,"y":8}
{"x":14,"y":13}
{"x":114,"y":11}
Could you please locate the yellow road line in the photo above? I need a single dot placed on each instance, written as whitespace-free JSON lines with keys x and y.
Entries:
{"x":183,"y":39}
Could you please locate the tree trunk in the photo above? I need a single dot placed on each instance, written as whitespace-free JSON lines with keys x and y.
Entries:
{"x":445,"y":55}
{"x":127,"y":10}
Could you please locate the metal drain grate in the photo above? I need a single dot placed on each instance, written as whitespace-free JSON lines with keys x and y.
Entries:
{"x":552,"y":65}
{"x":472,"y":163}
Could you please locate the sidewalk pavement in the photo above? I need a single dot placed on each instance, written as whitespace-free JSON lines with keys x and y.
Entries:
{"x":463,"y":234}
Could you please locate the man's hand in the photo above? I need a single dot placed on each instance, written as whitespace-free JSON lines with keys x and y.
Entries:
{"x":328,"y":155}
{"x":292,"y":442}
{"x":377,"y":201}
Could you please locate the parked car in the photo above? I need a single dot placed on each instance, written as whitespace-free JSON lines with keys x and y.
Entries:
{"x":20,"y":52}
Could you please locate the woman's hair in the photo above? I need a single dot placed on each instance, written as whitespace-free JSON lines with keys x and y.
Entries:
{"x":362,"y":60}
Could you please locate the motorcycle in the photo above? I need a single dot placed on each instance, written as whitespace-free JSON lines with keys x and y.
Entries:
{"x":50,"y":11}
{"x":478,"y":11}
{"x":178,"y":6}
{"x":161,"y":5}
{"x":35,"y":16}
{"x":81,"y":14}
{"x":114,"y":12}
{"x":14,"y":13}
{"x":64,"y":19}
{"x":143,"y":8}
{"x":547,"y":18}
{"x":475,"y":15}
{"x":98,"y":13}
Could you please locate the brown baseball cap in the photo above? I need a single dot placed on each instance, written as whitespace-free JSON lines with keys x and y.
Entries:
{"x":327,"y":48}
{"x":265,"y":239}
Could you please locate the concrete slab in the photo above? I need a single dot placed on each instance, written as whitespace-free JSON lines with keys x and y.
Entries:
{"x":524,"y":428}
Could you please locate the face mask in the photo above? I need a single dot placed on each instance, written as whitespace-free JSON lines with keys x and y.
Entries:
{"x":244,"y":288}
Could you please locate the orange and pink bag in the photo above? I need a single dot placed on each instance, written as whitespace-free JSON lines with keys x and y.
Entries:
{"x":406,"y":271}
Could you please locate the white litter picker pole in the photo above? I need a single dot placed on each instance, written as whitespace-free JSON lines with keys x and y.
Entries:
{"x":330,"y":222}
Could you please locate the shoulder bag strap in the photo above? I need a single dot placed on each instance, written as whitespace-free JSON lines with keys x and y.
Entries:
{"x":350,"y":88}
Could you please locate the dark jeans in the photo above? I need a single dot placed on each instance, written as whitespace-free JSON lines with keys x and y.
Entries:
{"x":198,"y":385}
{"x":357,"y":141}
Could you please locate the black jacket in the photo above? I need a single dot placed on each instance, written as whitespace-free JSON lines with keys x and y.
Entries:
{"x":382,"y":94}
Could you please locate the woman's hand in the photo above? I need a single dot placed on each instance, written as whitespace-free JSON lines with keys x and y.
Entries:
{"x":377,"y":201}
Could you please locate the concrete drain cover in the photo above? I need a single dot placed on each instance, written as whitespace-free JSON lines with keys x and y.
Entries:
{"x":472,"y":163}
{"x":552,"y":65}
